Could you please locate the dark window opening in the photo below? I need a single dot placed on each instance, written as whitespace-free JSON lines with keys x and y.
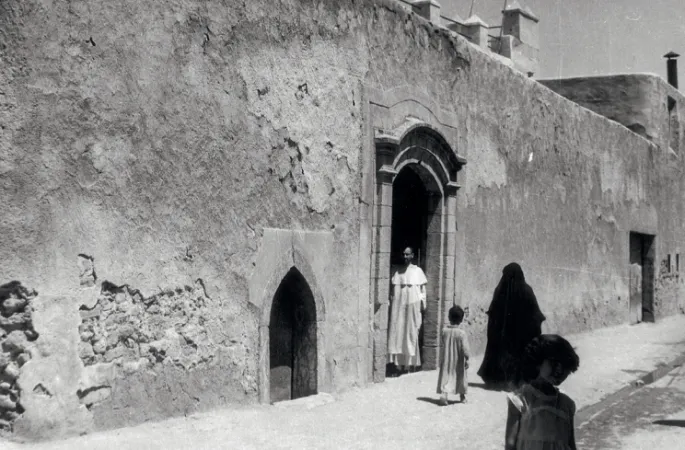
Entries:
{"x":668,"y":263}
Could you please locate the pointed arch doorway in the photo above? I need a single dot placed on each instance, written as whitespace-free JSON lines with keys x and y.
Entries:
{"x":292,"y":340}
{"x":284,"y":275}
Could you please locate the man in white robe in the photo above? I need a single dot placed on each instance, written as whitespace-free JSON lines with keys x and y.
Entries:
{"x":408,"y":301}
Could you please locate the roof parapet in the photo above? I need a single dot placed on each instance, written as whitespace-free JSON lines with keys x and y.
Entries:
{"x":517,"y":39}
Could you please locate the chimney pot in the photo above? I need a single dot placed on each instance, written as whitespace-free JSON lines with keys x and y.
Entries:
{"x":672,"y":68}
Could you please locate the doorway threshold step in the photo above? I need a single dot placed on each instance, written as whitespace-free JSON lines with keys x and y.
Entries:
{"x":309,"y":402}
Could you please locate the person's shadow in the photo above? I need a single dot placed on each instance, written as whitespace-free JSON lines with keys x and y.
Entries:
{"x":487,"y":387}
{"x":436,"y":401}
{"x":670,"y":423}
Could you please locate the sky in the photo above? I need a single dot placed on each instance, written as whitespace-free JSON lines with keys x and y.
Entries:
{"x":596,"y":37}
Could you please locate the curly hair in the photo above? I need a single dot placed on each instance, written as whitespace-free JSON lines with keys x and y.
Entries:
{"x":456,"y":314}
{"x":551,"y":347}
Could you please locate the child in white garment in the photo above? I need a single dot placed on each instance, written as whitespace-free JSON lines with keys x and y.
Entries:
{"x":454,"y":359}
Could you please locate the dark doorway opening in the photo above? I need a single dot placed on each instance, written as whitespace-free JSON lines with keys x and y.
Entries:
{"x":642,"y":277}
{"x":409,"y":229}
{"x":292,"y":340}
{"x":409,"y":208}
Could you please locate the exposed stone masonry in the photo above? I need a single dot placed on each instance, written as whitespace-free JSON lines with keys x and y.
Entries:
{"x":16,"y":333}
{"x":126,"y":328}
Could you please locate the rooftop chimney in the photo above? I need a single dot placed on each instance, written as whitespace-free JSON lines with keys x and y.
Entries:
{"x":672,"y":68}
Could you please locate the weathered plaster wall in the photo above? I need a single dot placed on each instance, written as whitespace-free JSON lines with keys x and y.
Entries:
{"x":648,"y":105}
{"x":571,"y":187}
{"x":637,"y":101}
{"x":182,"y":141}
{"x":160,"y":140}
{"x":548,"y":183}
{"x":670,"y":284}
{"x":627,"y":99}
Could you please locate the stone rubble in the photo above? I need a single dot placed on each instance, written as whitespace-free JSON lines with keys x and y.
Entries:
{"x":16,"y":337}
{"x":134,"y":333}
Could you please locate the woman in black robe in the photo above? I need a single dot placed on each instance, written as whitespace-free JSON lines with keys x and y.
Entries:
{"x":514,"y":319}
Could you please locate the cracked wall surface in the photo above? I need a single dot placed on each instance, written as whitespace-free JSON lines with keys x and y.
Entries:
{"x":165,"y":342}
{"x":162,"y":139}
{"x":123,"y":326}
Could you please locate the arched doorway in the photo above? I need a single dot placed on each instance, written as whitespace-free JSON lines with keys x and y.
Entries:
{"x":417,"y":223}
{"x":416,"y":181}
{"x":292,"y":340}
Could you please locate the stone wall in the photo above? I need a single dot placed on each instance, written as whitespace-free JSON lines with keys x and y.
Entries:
{"x":16,"y":337}
{"x":126,"y":336}
{"x":124,"y":326}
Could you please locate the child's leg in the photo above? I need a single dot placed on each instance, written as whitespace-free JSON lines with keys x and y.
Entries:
{"x":443,"y":399}
{"x":462,"y":397}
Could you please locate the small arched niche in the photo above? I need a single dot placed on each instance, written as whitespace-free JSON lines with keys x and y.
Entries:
{"x":293,"y":367}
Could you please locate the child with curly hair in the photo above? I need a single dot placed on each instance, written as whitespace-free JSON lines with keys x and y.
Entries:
{"x":454,"y":358}
{"x":539,"y":416}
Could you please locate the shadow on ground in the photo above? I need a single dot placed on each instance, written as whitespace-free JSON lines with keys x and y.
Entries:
{"x":436,"y":401}
{"x":485,"y":387}
{"x":670,"y":423}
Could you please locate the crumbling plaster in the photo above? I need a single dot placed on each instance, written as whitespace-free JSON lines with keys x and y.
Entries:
{"x":54,"y":412}
{"x":161,"y":140}
{"x":17,"y":348}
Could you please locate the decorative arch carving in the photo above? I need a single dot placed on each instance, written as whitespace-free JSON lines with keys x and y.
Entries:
{"x":422,"y":141}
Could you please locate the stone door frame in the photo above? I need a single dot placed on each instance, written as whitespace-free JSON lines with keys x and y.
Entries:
{"x":420,"y":145}
{"x":279,"y":253}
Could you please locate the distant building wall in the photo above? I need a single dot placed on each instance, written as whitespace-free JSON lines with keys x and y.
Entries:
{"x":644,"y":103}
{"x":652,"y":108}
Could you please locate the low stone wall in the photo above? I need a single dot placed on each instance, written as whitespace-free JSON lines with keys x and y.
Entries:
{"x":16,"y":334}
